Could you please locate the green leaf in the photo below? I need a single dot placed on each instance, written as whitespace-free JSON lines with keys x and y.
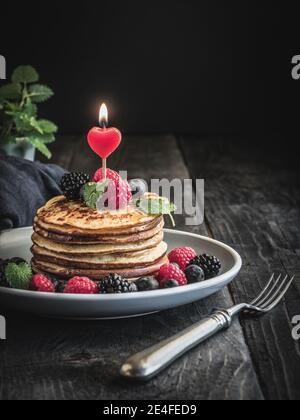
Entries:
{"x":156,"y":206}
{"x":18,"y":275}
{"x":30,"y":109}
{"x":11,"y":91}
{"x":153,"y":205}
{"x":48,"y":127}
{"x":40,"y":146}
{"x":93,"y":191}
{"x":43,"y":138}
{"x":11,"y":106}
{"x":25,"y":123}
{"x":47,"y":138}
{"x":40,"y":93}
{"x":25,"y":74}
{"x":35,"y":124}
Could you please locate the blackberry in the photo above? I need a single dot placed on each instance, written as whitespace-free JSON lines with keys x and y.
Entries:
{"x":116,"y":284}
{"x":210,"y":265}
{"x":3,"y":265}
{"x":59,"y":284}
{"x":72,"y":183}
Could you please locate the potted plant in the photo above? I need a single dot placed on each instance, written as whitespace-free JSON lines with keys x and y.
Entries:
{"x":21,"y":131}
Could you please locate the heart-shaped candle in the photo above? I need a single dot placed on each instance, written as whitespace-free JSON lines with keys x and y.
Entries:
{"x":102,"y":140}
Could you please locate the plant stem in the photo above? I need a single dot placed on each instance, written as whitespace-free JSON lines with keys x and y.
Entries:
{"x":172,"y":219}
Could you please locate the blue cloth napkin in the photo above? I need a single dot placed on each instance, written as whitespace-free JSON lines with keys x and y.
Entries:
{"x":24,"y":187}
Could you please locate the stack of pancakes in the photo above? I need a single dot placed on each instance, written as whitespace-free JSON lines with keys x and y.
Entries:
{"x":71,"y":239}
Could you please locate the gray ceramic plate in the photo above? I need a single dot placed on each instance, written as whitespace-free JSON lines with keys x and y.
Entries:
{"x":17,"y":243}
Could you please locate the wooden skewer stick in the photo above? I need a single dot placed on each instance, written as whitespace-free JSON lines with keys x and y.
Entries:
{"x":104,"y":170}
{"x":104,"y":161}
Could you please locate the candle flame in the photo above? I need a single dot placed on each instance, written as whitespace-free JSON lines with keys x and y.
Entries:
{"x":103,"y":115}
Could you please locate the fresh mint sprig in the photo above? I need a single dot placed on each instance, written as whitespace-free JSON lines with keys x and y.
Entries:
{"x":18,"y":276}
{"x":93,"y":191}
{"x":19,"y":121}
{"x":156,"y":206}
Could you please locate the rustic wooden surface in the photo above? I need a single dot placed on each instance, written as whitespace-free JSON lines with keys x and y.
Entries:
{"x":252,"y":203}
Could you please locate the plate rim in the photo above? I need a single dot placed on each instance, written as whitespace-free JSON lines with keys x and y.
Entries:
{"x":215,"y":282}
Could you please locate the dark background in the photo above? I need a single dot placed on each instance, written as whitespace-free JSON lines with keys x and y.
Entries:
{"x":162,"y":66}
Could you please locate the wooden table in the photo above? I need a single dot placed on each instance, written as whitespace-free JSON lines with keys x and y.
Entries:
{"x":252,"y":204}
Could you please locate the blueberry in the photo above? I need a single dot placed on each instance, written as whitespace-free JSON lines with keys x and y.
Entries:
{"x":146,"y":284}
{"x":138,"y":187}
{"x":170,"y":283}
{"x":194,"y":274}
{"x":16,"y":260}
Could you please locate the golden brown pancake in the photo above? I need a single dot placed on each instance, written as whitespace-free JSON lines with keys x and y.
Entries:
{"x":103,"y":262}
{"x":73,"y":217}
{"x":101,"y":239}
{"x":67,"y":273}
{"x":97,"y":249}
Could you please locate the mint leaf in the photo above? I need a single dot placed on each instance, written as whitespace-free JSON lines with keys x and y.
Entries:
{"x":47,"y":138}
{"x":93,"y":191}
{"x":44,"y":138}
{"x":10,"y":91}
{"x":155,"y":206}
{"x":30,"y":109}
{"x":25,"y":74}
{"x":19,"y":114}
{"x":48,"y":127}
{"x":40,"y":93}
{"x":35,"y":124}
{"x":24,"y":122}
{"x":18,"y":275}
{"x":39,"y":145}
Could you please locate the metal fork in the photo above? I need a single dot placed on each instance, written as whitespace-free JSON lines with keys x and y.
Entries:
{"x":148,"y":363}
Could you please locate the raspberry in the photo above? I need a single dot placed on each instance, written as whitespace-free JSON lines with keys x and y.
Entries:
{"x":171,"y":272}
{"x":81,"y":285}
{"x":110,"y":174}
{"x":119,"y":191}
{"x":41,"y":283}
{"x":182,"y":256}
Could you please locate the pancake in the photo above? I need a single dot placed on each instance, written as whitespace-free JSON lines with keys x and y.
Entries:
{"x":68,"y":230}
{"x":97,"y":249}
{"x":73,"y":217}
{"x":67,"y":273}
{"x":100,"y":239}
{"x":72,"y":239}
{"x":103,"y":262}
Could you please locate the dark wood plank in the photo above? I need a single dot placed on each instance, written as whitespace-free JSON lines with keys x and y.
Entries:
{"x":80,"y":360}
{"x":252,"y":203}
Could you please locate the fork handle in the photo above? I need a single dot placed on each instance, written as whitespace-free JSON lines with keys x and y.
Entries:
{"x":150,"y":362}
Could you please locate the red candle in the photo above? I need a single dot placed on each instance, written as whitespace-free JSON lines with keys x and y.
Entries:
{"x":102,"y":140}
